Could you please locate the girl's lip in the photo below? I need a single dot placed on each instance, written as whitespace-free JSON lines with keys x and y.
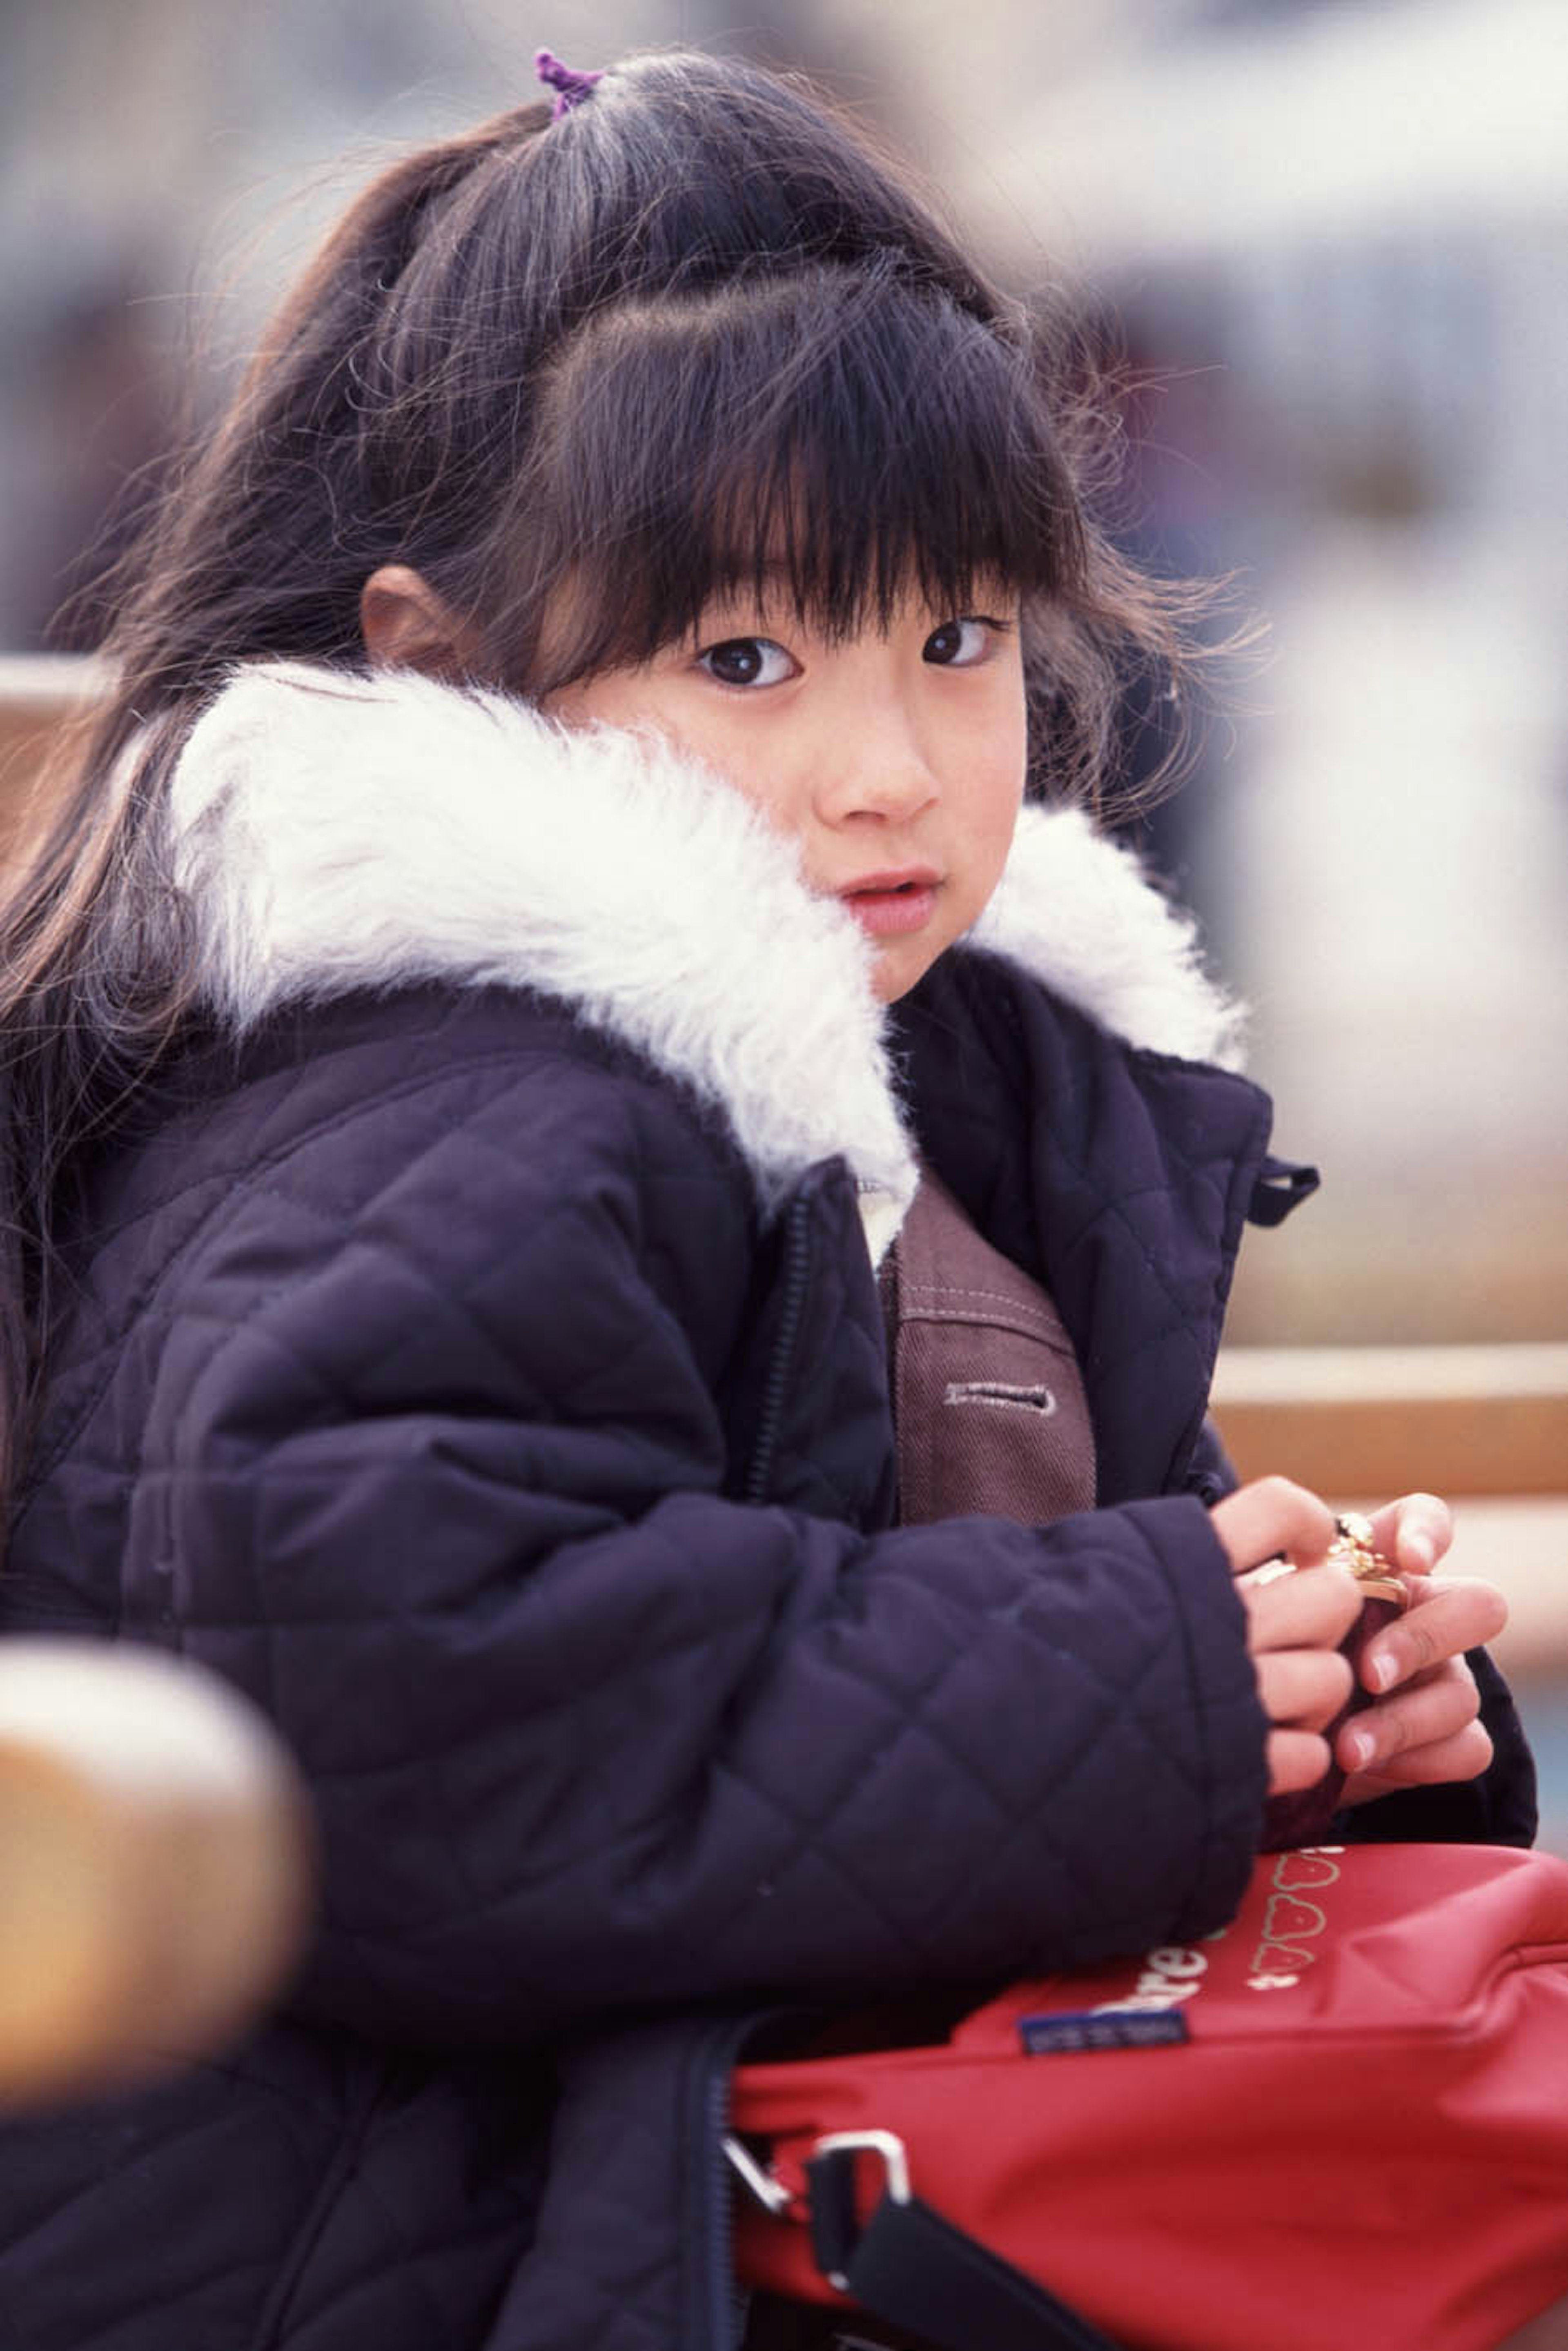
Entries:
{"x":888,"y":913}
{"x":896,"y":877}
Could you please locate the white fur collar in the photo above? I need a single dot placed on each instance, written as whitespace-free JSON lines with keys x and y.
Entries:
{"x":335,"y":833}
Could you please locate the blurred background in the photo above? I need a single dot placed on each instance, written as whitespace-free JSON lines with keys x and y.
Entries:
{"x":1331,"y":239}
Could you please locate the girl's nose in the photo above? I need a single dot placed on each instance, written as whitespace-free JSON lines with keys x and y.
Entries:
{"x":875,"y":764}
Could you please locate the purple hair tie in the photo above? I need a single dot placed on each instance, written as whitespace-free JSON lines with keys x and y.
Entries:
{"x":570,"y":86}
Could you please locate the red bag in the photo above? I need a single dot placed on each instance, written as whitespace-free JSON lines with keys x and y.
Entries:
{"x":1342,"y":2120}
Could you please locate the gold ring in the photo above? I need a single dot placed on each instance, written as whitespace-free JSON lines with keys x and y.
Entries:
{"x":1354,"y":1548}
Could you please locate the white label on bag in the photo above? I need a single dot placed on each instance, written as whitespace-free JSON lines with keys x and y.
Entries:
{"x":1170,"y":1975}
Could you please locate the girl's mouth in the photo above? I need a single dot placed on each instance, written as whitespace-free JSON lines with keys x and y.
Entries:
{"x":890,"y":909}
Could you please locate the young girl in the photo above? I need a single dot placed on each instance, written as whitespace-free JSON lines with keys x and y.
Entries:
{"x":549,"y":903}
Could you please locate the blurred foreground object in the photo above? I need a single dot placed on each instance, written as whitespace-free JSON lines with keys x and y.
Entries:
{"x":154,"y":1864}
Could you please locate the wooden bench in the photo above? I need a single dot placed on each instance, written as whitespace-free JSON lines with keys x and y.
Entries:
{"x":1484,"y":1427}
{"x":39,"y":692}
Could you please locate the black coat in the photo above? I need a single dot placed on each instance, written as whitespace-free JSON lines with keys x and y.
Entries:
{"x":497,"y":1397}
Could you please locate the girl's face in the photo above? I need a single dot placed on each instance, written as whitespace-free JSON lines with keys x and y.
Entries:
{"x":896,"y":760}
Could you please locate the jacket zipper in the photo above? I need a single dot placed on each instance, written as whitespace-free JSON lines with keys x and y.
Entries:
{"x":722,"y":2309}
{"x":797,"y":1273}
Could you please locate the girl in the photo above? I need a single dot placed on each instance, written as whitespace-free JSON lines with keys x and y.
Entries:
{"x":550,"y":879}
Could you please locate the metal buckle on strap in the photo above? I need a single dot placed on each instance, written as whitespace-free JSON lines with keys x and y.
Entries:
{"x":770,"y":2193}
{"x":887,"y":2144}
{"x":830,"y":2172}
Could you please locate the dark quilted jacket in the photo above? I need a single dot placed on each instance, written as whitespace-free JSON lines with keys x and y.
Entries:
{"x":444,"y":1371}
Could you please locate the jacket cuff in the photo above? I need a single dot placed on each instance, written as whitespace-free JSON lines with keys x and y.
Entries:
{"x":1232,"y":1723}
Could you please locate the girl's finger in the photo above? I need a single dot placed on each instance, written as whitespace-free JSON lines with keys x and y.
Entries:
{"x":1271,"y":1517}
{"x":1296,"y":1759}
{"x":1426,"y":1715}
{"x":1312,"y":1609}
{"x":1465,"y":1756}
{"x":1446,"y":1616}
{"x":1415,"y":1532}
{"x":1304,"y":1687}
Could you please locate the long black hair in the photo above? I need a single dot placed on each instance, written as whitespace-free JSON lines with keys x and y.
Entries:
{"x":697,"y":331}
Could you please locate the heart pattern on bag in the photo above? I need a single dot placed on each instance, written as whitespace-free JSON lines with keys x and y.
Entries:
{"x":1289,"y":1919}
{"x":1294,"y":1870}
{"x":1272,"y":1958}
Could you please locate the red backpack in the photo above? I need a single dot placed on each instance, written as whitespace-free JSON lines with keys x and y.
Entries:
{"x":1342,"y":2121}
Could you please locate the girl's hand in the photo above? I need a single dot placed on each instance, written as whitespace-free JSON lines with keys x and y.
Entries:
{"x":1424,"y":1728}
{"x":1295,"y":1623}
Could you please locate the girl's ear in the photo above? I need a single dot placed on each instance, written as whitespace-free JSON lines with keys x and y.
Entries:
{"x":406,"y":625}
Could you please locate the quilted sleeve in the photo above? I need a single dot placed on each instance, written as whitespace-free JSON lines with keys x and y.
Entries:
{"x":433,"y":1471}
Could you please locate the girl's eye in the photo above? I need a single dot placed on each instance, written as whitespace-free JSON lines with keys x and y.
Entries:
{"x":747,"y":661}
{"x":959,"y":644}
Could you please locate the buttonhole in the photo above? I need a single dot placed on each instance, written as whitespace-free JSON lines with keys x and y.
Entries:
{"x":1001,"y":1395}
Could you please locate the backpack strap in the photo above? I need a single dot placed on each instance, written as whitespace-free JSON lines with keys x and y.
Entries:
{"x":912,"y":2267}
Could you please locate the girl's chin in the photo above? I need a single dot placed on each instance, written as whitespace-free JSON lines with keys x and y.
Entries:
{"x":900,"y":965}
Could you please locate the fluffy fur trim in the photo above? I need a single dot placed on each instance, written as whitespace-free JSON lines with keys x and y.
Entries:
{"x":334,"y":833}
{"x":1081,"y":915}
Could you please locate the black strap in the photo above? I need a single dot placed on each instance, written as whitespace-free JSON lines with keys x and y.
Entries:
{"x":910,"y":2265}
{"x":1280,"y":1187}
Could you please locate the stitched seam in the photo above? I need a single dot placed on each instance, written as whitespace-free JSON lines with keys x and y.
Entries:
{"x":979,"y":1296}
{"x":411,"y":2261}
{"x":341,"y":2163}
{"x":804,"y":1834}
{"x":1028,"y":1822}
{"x":246,"y":1176}
{"x":1203,"y":1173}
{"x":1117,"y":1207}
{"x":1030,"y":1817}
{"x":135,"y":1472}
{"x":242,"y":1177}
{"x":913,"y":1716}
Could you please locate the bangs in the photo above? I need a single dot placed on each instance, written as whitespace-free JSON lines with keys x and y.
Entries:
{"x":830,"y":441}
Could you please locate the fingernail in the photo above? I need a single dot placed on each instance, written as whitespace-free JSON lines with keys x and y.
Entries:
{"x":1360,"y":1747}
{"x":1385,"y":1669}
{"x":1418,"y":1552}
